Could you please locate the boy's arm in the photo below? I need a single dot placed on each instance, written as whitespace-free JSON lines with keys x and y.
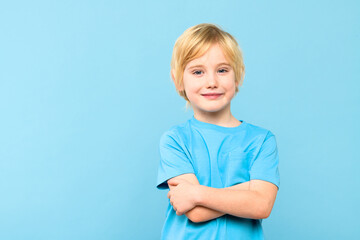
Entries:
{"x":201,"y":213}
{"x":198,"y":213}
{"x":254,"y":203}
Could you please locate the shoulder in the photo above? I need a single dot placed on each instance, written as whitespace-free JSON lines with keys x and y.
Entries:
{"x":176,"y":133}
{"x":258,"y":132}
{"x":259,"y":137}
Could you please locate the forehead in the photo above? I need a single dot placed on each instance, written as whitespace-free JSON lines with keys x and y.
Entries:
{"x":213,"y":56}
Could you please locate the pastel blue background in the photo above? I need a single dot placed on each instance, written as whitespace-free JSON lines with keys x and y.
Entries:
{"x":85,"y":94}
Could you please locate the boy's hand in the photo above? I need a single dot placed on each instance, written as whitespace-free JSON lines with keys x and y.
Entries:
{"x":182,"y":195}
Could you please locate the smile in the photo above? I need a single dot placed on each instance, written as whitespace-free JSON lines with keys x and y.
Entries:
{"x":212,"y":96}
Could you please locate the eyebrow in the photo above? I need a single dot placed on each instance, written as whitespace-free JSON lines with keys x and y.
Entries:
{"x":200,"y":65}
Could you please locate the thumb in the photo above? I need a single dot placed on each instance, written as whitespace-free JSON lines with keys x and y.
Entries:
{"x":173,"y":182}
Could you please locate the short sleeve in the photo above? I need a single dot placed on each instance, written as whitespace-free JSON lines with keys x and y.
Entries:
{"x":265,"y":166}
{"x":173,"y":160}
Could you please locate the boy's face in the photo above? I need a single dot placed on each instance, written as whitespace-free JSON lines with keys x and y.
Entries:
{"x":209,"y":82}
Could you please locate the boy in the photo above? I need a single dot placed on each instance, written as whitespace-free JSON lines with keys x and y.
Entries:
{"x":222,"y":173}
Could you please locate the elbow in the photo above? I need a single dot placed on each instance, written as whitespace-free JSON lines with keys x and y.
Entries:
{"x":263,"y":211}
{"x":265,"y":214}
{"x":196,"y":215}
{"x":261,"y":214}
{"x":193,"y":217}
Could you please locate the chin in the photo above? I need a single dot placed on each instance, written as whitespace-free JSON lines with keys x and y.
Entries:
{"x":212,"y":110}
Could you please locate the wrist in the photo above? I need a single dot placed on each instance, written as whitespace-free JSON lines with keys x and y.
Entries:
{"x":198,"y":198}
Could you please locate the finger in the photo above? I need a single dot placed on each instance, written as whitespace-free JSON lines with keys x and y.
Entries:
{"x":175,"y":181}
{"x":169,"y":195}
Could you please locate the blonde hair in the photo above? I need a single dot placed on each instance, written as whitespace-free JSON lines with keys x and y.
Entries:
{"x":195,"y":42}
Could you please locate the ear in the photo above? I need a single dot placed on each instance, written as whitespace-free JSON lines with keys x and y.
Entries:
{"x":178,"y":87}
{"x":173,"y":75}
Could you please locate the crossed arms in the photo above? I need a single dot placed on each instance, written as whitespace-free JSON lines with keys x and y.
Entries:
{"x":253,"y":199}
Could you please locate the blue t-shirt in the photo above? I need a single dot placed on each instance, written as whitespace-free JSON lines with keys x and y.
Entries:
{"x":219,"y":157}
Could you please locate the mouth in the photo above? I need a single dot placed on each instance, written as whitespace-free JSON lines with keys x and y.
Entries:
{"x":211,"y":95}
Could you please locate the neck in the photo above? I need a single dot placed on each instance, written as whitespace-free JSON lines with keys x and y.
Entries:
{"x":217,"y":118}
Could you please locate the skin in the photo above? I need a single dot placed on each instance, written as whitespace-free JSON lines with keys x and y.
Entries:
{"x":210,"y":73}
{"x":254,"y":199}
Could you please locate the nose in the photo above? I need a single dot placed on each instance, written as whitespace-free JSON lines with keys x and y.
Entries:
{"x":212,"y":80}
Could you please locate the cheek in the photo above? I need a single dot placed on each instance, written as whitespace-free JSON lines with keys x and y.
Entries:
{"x":191,"y":84}
{"x":230,"y":84}
{"x":230,"y":87}
{"x":192,"y":90}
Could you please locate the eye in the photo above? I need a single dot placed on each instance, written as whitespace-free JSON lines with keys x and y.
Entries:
{"x":197,"y":72}
{"x":223,"y":70}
